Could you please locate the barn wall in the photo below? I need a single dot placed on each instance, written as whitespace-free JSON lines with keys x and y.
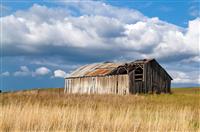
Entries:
{"x":156,"y":80}
{"x":136,"y":87}
{"x":116,"y":84}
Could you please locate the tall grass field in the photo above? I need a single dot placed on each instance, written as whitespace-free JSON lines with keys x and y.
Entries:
{"x":51,"y":110}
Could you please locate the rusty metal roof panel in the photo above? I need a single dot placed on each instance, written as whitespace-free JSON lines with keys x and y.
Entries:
{"x":98,"y":72}
{"x":96,"y":69}
{"x":108,"y":65}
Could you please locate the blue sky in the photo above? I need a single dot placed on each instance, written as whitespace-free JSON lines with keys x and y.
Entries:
{"x":41,"y":42}
{"x":178,"y":12}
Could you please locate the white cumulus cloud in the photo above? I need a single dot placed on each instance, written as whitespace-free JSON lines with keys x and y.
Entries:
{"x":24,"y":71}
{"x":5,"y":74}
{"x":60,"y":73}
{"x":42,"y":71}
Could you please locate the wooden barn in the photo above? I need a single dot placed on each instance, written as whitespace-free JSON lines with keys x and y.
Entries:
{"x":140,"y":76}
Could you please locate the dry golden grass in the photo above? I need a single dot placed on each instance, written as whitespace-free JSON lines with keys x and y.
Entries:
{"x":50,"y":111}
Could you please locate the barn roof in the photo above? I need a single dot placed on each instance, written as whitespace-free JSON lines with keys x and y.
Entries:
{"x":96,"y":69}
{"x":105,"y":68}
{"x":142,"y":61}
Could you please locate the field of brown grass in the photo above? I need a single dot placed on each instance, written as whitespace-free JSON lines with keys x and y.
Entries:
{"x":51,"y":110}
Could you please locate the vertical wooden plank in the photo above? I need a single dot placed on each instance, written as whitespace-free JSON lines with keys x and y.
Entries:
{"x":96,"y":85}
{"x":71,"y":86}
{"x":127,"y":84}
{"x":130,"y":81}
{"x":118,"y":86}
{"x":144,"y":78}
{"x":134,"y":86}
{"x":67,"y":90}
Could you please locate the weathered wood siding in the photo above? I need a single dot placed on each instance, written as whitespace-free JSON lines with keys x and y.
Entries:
{"x":115,"y":84}
{"x":156,"y":80}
